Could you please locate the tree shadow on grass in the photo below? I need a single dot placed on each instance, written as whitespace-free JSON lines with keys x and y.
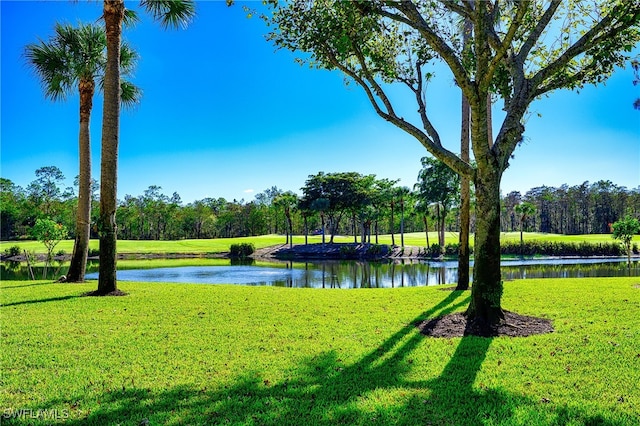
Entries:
{"x":324,"y":391}
{"x":50,"y":299}
{"x":28,"y":285}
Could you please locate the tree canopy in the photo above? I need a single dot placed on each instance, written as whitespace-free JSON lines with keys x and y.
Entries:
{"x":518,"y":51}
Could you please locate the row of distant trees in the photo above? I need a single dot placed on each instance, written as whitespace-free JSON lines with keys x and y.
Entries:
{"x":338,"y":203}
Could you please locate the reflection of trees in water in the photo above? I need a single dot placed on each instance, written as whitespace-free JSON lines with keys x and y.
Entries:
{"x":361,"y":274}
{"x":594,"y":270}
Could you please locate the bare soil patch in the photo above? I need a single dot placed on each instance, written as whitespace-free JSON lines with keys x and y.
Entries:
{"x":456,"y":325}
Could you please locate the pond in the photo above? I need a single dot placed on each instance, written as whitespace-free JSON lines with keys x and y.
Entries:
{"x":333,"y":274}
{"x":354,"y":274}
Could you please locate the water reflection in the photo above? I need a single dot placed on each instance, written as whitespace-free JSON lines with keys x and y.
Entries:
{"x":346,"y":274}
{"x":355,"y":274}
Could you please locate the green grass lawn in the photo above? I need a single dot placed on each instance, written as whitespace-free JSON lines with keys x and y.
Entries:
{"x":203,"y":354}
{"x":220,"y":245}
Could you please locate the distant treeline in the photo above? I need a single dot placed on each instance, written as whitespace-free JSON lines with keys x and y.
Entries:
{"x":347,"y":204}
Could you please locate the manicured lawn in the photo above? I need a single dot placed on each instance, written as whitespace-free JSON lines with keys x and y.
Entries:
{"x":220,"y":245}
{"x":202,"y":354}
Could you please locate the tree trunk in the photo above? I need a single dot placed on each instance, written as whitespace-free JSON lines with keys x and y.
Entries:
{"x":290,"y":230}
{"x":465,"y":192}
{"x":440,"y":221}
{"x":465,"y":203}
{"x":402,"y":224}
{"x":113,"y":17}
{"x":353,"y":229}
{"x":486,"y":292}
{"x":426,"y":228}
{"x":78,"y":265}
{"x":393,"y":240}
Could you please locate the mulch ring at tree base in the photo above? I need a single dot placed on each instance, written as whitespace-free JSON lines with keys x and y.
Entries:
{"x":456,"y":325}
{"x":112,"y":293}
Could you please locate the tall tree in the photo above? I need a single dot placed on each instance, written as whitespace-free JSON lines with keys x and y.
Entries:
{"x":521,"y":56}
{"x":74,"y":58}
{"x":624,"y":230}
{"x":170,"y":13}
{"x":45,"y":190}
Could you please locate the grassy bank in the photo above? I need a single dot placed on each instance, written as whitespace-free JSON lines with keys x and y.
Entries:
{"x":203,"y":354}
{"x":221,"y":245}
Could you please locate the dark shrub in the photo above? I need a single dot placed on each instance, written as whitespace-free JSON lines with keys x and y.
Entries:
{"x":377,"y":250}
{"x":12,"y":251}
{"x":452,"y":249}
{"x":348,"y":251}
{"x":435,"y":250}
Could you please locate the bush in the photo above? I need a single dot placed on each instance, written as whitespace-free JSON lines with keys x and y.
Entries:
{"x":94,"y":252}
{"x":377,"y":250}
{"x":241,"y":250}
{"x":12,"y":251}
{"x":348,"y":251}
{"x":452,"y":249}
{"x":558,"y":248}
{"x":60,"y":253}
{"x":435,"y":250}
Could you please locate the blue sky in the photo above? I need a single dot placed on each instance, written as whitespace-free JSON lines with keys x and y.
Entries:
{"x":225,"y":115}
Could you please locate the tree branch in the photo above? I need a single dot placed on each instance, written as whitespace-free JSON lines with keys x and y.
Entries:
{"x":455,"y":7}
{"x":414,"y":19}
{"x":604,"y":29}
{"x":537,"y":32}
{"x":449,"y":158}
{"x":505,"y":44}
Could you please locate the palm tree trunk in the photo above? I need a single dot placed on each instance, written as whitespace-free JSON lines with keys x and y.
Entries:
{"x":113,"y":17}
{"x":78,"y":265}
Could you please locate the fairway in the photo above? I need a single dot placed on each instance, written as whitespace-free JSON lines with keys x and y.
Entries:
{"x":202,"y":354}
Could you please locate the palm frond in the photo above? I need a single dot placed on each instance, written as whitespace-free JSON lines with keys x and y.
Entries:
{"x":128,"y":58}
{"x":130,"y":18}
{"x":50,"y":62}
{"x":130,"y":94}
{"x":171,"y":13}
{"x":74,"y":54}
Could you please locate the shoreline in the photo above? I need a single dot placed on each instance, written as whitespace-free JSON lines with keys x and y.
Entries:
{"x":316,"y":251}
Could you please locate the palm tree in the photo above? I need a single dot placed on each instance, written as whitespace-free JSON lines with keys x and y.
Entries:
{"x":525,"y":210}
{"x":287,"y":201}
{"x":75,"y":57}
{"x":170,"y":13}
